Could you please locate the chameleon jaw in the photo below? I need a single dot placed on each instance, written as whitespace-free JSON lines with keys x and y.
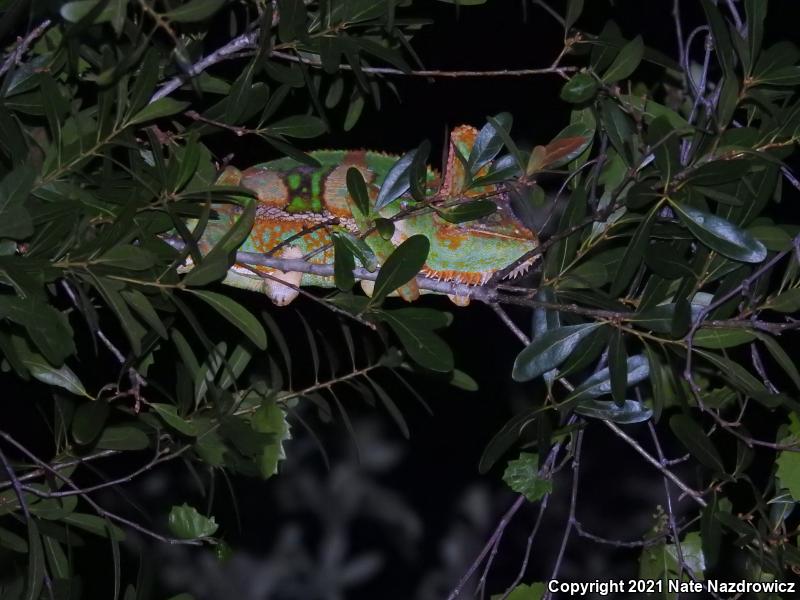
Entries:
{"x":477,"y":277}
{"x":523,"y":268}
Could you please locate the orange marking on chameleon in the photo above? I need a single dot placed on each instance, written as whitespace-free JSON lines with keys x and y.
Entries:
{"x":450,"y":237}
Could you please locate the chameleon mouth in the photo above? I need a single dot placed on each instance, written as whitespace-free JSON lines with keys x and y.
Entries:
{"x":477,"y":277}
{"x":523,"y":268}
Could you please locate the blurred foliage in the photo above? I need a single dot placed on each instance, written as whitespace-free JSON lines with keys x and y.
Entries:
{"x":665,"y":292}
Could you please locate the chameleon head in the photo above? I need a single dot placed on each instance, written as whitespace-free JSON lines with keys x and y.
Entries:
{"x":472,"y":252}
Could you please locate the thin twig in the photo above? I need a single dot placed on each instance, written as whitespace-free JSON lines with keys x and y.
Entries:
{"x":528,"y":546}
{"x":573,"y":502}
{"x":35,"y":473}
{"x":434,"y":73}
{"x":487,"y":548}
{"x":676,"y":17}
{"x":670,"y":511}
{"x":695,"y":495}
{"x":237,"y":44}
{"x":98,"y":509}
{"x":19,"y":493}
{"x":510,"y":324}
{"x":22,"y":46}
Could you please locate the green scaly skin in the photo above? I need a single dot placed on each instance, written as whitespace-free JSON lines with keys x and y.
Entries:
{"x":294,"y":198}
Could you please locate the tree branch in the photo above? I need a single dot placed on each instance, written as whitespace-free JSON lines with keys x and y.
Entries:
{"x":22,"y":46}
{"x":435,"y":73}
{"x":644,"y":453}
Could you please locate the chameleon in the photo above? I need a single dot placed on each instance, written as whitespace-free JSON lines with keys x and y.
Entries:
{"x":296,"y":202}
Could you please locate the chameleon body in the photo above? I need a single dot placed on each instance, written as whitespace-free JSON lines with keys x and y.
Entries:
{"x":297,"y":205}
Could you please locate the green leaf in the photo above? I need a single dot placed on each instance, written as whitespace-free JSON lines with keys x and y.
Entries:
{"x":574,"y":10}
{"x":413,"y":327}
{"x":756,"y":11}
{"x":88,"y":421}
{"x":400,"y":267}
{"x":522,"y":476}
{"x":46,"y":327}
{"x":718,"y":337}
{"x":789,"y":472}
{"x":76,"y":11}
{"x":299,"y":126}
{"x":215,"y":264}
{"x":357,"y":188}
{"x":397,"y":181}
{"x":619,"y":127}
{"x":354,"y":110}
{"x":564,"y":251}
{"x":36,"y":565}
{"x":109,"y":289}
{"x":418,"y":171}
{"x":385,"y":228}
{"x":721,"y":235}
{"x":774,"y":238}
{"x":145,"y":83}
{"x":62,"y":377}
{"x":718,"y":172}
{"x":292,"y":22}
{"x":194,"y":11}
{"x":664,"y":140}
{"x":628,"y":413}
{"x":581,"y":88}
{"x":359,"y":248}
{"x":235,"y":314}
{"x":781,"y":357}
{"x":544,"y":320}
{"x":786,"y":302}
{"x":391,"y":408}
{"x":634,"y":253}
{"x":11,"y":541}
{"x":549,"y":350}
{"x":626,"y":61}
{"x":235,"y":365}
{"x":723,"y":46}
{"x":463,"y":381}
{"x":270,"y":418}
{"x":534,"y":591}
{"x":499,"y":123}
{"x":169,"y":413}
{"x":738,"y":376}
{"x":468,"y":211}
{"x":127,"y":256}
{"x":188,"y":524}
{"x":618,"y":367}
{"x":139,"y":302}
{"x":695,"y":439}
{"x":95,"y":525}
{"x":56,"y":558}
{"x":637,"y":369}
{"x":163,"y":107}
{"x":488,"y":143}
{"x":15,"y":222}
{"x":343,"y":264}
{"x":122,"y":437}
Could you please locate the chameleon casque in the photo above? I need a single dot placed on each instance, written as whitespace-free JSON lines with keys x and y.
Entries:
{"x":293,"y":199}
